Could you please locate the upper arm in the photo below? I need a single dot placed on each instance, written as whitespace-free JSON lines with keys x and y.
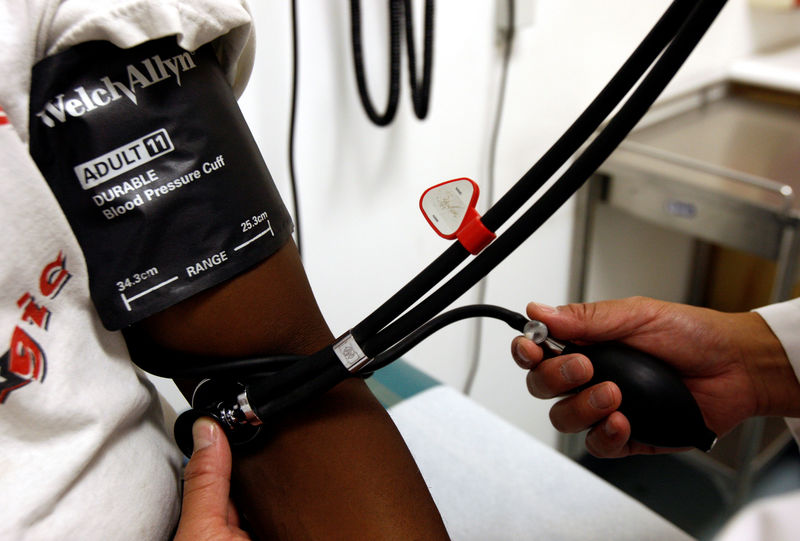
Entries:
{"x":269,"y":309}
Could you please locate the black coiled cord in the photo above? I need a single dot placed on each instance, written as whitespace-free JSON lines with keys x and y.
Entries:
{"x":399,"y":15}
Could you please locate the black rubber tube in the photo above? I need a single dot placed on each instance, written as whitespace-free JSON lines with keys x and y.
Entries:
{"x":268,"y":399}
{"x":420,"y":91}
{"x":513,"y":319}
{"x":298,"y":233}
{"x":321,"y":371}
{"x":194,"y":368}
{"x":395,"y":17}
{"x":626,"y":77}
{"x":180,"y":365}
{"x":595,"y":154}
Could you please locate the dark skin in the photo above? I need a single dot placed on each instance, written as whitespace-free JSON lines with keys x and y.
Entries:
{"x":334,"y":468}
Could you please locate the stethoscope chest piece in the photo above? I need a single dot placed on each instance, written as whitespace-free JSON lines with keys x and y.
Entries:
{"x":207,"y":401}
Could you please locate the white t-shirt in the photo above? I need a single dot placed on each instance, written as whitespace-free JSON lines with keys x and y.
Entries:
{"x":83,"y":450}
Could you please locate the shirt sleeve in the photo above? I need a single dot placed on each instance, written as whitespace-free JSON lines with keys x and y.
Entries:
{"x":127,"y":23}
{"x":768,"y":519}
{"x":784,"y":320}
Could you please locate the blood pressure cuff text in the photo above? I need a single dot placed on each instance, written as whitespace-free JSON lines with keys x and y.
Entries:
{"x":154,"y":166}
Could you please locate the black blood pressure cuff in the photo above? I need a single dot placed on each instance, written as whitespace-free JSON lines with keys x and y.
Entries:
{"x":154,"y":166}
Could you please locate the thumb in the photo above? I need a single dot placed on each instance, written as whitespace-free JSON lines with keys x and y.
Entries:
{"x":207,"y":475}
{"x":596,"y":321}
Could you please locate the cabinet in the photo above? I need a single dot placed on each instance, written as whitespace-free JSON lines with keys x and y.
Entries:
{"x":725,"y":172}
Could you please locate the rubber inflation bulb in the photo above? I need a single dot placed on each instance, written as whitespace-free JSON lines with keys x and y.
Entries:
{"x":659,"y":406}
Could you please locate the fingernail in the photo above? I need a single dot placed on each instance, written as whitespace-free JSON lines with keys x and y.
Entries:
{"x":609,"y":429}
{"x":545,"y":308}
{"x":601,"y":398}
{"x":521,"y":357}
{"x":574,"y":370}
{"x":204,"y":433}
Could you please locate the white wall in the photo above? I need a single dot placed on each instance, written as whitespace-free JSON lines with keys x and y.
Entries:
{"x":359,"y":184}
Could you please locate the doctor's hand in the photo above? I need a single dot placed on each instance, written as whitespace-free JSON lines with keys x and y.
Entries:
{"x":732,"y":363}
{"x":208,"y":513}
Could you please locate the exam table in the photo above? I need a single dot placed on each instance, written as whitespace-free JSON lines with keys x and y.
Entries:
{"x":492,"y":481}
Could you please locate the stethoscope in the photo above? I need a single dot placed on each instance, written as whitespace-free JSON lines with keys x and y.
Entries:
{"x":244,"y":395}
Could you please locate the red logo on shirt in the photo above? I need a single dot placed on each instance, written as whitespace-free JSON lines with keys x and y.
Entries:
{"x":3,"y":117}
{"x":25,"y":361}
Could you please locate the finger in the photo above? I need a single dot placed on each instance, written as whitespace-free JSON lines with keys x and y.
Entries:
{"x":207,"y":475}
{"x":559,"y":375}
{"x":610,"y":437}
{"x":560,"y":321}
{"x":586,"y":408}
{"x":599,"y":321}
{"x":233,"y":515}
{"x":525,"y":352}
{"x":541,"y":312}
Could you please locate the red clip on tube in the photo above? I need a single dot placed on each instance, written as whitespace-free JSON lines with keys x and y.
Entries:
{"x":449,"y":208}
{"x":473,"y":235}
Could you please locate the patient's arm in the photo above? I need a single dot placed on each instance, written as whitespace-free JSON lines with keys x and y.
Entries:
{"x":336,"y":468}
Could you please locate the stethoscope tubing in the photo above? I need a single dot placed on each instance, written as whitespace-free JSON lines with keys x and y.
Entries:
{"x":321,"y":370}
{"x":587,"y":123}
{"x":684,"y":42}
{"x":407,"y":318}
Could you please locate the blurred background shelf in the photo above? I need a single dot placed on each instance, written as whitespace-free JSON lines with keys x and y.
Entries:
{"x":702,"y":203}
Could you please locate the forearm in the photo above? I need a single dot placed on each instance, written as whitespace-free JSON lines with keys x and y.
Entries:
{"x":341,"y":471}
{"x":335,"y":467}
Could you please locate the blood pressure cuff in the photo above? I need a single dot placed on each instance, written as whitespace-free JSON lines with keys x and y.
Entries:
{"x":152,"y":163}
